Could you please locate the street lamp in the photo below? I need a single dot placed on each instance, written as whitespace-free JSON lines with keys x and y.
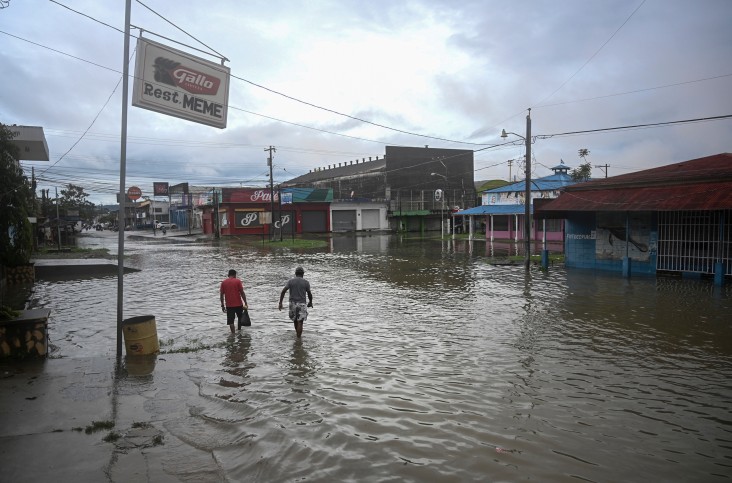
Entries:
{"x":527,"y":194}
{"x":442,"y":214}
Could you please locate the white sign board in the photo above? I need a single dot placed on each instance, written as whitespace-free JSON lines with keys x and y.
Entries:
{"x":173,"y":82}
{"x":31,"y":141}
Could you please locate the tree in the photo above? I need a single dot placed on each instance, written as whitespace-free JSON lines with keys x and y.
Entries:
{"x":16,"y":237}
{"x":74,"y":198}
{"x":584,"y":171}
{"x":583,"y":153}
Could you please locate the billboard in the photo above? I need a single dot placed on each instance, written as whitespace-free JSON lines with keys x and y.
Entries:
{"x":160,"y":188}
{"x":173,"y":82}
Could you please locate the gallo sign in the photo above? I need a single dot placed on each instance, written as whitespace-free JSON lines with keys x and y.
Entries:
{"x":134,"y":193}
{"x":178,"y":84}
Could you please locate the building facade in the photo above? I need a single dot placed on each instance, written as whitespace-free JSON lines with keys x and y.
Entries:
{"x":402,"y":186}
{"x":672,"y":219}
{"x":253,"y":211}
{"x":502,"y":211}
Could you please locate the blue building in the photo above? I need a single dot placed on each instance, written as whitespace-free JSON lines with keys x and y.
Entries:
{"x":672,"y":219}
{"x":502,"y":209}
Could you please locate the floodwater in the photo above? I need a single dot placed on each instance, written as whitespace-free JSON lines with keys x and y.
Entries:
{"x":421,"y":361}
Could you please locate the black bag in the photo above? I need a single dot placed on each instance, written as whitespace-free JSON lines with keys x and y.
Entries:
{"x":246,"y":321}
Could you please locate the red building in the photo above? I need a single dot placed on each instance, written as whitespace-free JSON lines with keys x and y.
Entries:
{"x":249,"y":211}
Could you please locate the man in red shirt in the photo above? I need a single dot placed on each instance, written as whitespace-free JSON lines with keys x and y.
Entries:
{"x":232,"y":296}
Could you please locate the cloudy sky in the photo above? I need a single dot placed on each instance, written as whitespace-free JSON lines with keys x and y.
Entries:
{"x":327,"y":82}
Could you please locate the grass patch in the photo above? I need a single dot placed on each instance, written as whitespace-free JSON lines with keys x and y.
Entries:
{"x":112,"y":437}
{"x":194,"y":346}
{"x":98,"y":426}
{"x":296,"y":243}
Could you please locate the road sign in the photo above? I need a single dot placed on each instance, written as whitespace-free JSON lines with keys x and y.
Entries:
{"x":134,"y":193}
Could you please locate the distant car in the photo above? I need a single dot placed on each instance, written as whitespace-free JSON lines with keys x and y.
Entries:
{"x":164,"y":224}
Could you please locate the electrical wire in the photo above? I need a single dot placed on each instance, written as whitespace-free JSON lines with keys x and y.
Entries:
{"x":88,"y":16}
{"x":633,"y":126}
{"x":635,"y":91}
{"x":310,"y":104}
{"x":191,"y":36}
{"x":595,"y":54}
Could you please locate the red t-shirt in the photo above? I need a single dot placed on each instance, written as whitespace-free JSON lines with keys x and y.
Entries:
{"x":232,"y":288}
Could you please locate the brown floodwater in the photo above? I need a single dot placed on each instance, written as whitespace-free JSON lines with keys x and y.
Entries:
{"x":422,"y":361}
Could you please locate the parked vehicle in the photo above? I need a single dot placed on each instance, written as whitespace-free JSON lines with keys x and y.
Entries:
{"x":164,"y":224}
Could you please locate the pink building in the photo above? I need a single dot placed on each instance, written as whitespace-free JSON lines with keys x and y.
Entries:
{"x":502,"y":209}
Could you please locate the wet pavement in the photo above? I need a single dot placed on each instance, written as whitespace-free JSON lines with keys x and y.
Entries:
{"x":49,"y":410}
{"x":420,"y":361}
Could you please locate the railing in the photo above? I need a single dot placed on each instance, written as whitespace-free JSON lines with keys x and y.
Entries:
{"x":424,"y":200}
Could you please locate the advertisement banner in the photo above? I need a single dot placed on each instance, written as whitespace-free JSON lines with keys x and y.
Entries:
{"x":173,"y":82}
{"x":283,"y":221}
{"x":160,"y":188}
{"x":248,"y":219}
{"x":246,"y":195}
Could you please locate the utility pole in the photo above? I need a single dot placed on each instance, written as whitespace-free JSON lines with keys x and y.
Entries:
{"x":527,"y":195}
{"x":58,"y":224}
{"x":217,"y":221}
{"x":510,"y":176}
{"x":271,"y":150}
{"x":603,"y":167}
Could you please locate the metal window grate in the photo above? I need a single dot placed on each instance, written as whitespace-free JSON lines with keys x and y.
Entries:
{"x":690,"y":241}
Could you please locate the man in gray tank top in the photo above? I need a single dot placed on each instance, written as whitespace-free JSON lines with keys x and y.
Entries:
{"x":299,"y":288}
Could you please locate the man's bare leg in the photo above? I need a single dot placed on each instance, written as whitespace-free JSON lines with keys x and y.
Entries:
{"x":298,"y":328}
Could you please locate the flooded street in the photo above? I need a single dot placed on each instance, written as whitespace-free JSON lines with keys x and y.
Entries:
{"x":421,"y":361}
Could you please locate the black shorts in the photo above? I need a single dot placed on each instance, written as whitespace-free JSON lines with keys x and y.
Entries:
{"x":231,"y":311}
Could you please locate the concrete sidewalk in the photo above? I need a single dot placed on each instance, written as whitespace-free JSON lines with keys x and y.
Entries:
{"x":74,"y":420}
{"x":67,"y":267}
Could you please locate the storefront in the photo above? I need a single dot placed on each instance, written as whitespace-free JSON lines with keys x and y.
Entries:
{"x":248,"y":211}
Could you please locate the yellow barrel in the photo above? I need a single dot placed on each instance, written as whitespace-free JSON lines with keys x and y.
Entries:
{"x":141,"y":335}
{"x":140,"y":365}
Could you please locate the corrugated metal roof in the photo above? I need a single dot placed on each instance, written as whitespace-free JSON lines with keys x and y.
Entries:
{"x":698,"y":184}
{"x":706,"y":196}
{"x":547,"y":183}
{"x":493,"y":210}
{"x":363,"y":168}
{"x":705,"y":169}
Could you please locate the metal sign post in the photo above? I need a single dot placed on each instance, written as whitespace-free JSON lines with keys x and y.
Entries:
{"x":122,"y":175}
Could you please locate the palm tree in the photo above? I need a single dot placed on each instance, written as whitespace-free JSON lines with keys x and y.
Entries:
{"x":583,"y":153}
{"x":584,"y":171}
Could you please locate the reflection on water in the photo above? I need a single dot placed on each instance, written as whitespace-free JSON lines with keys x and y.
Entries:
{"x":420,"y":361}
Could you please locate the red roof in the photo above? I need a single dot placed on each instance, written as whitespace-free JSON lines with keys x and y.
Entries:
{"x":698,"y":184}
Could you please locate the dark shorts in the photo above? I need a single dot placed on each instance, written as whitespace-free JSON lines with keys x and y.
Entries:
{"x":232,"y":311}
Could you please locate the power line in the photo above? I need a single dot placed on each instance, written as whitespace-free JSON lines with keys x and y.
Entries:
{"x":593,"y":55}
{"x":633,"y":126}
{"x":87,"y":16}
{"x":191,"y":36}
{"x":635,"y":91}
{"x":310,"y":104}
{"x":355,"y":118}
{"x":60,"y":52}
